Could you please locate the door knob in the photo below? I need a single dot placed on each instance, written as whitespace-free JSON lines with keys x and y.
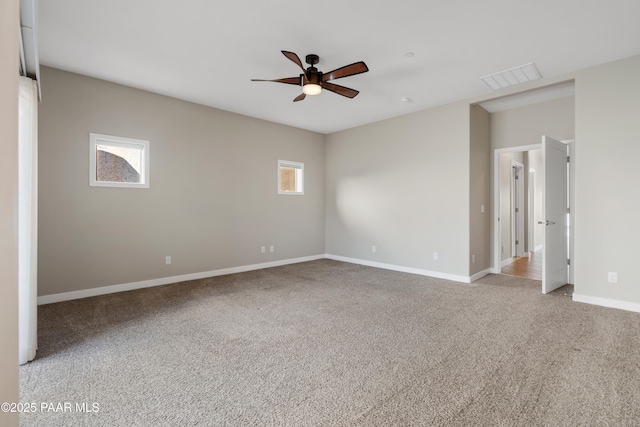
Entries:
{"x":546,"y":222}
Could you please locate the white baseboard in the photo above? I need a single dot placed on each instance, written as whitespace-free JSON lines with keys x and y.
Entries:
{"x":437,"y":274}
{"x":606,"y":302}
{"x":481,"y":274}
{"x":537,"y":248}
{"x":506,"y":262}
{"x":85,"y":293}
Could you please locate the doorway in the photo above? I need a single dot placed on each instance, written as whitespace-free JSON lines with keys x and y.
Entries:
{"x":524,"y":258}
{"x":518,"y":255}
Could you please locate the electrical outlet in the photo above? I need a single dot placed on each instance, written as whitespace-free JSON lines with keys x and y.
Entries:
{"x":613,"y":277}
{"x":473,"y":259}
{"x":502,"y":248}
{"x":167,"y":260}
{"x":435,"y":256}
{"x":373,"y":248}
{"x":263,"y":249}
{"x":481,"y":208}
{"x":272,"y":248}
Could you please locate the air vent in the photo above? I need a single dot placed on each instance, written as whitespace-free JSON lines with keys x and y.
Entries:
{"x":512,"y":76}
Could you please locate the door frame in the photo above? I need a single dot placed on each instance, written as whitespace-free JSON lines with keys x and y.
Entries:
{"x":497,"y":237}
{"x":532,"y":210}
{"x":572,"y":202}
{"x":495,"y":250}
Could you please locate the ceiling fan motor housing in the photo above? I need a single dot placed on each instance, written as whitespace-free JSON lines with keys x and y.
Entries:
{"x":313,"y":77}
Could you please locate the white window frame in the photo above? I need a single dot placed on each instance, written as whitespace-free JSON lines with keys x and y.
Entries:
{"x":295,"y":165}
{"x":118,"y":141}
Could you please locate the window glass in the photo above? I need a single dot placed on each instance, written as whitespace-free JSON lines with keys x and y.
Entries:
{"x":290,"y":177}
{"x":118,"y":162}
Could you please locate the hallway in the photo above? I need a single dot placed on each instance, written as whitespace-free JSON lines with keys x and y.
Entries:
{"x":529,"y":267}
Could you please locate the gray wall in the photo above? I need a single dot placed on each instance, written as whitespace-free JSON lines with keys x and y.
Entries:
{"x":9,"y":208}
{"x":480,"y":190}
{"x":212,"y":200}
{"x":607,"y":180}
{"x":526,"y":125}
{"x":403,"y":185}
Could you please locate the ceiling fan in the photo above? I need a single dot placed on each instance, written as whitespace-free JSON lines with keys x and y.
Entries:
{"x":313,"y":81}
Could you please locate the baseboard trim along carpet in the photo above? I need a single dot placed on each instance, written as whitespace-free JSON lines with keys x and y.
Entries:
{"x":436,"y":274}
{"x":85,"y":293}
{"x":480,"y":275}
{"x":606,"y":302}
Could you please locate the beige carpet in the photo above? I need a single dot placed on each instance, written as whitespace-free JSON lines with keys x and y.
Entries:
{"x":328,"y":343}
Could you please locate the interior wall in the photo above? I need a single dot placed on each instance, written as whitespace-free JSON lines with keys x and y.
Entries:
{"x":526,"y":125}
{"x":480,"y":190}
{"x":9,"y":20}
{"x":402,"y":185}
{"x":212,"y":201}
{"x":607,"y":178}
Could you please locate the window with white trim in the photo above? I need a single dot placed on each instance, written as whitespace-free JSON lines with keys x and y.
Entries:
{"x":290,"y":177}
{"x":115,"y":161}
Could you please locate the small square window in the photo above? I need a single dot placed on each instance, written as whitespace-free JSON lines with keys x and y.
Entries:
{"x":118,"y":162}
{"x":290,"y":177}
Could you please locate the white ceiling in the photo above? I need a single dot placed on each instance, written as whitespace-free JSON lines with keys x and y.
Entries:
{"x":206,"y":51}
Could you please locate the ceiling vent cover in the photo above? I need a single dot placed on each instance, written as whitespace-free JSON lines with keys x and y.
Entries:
{"x":512,"y":76}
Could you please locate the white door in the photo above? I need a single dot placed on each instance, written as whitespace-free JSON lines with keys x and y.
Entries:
{"x":554,"y":266}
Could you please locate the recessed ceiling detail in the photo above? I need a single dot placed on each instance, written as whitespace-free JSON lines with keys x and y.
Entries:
{"x":512,"y":76}
{"x":536,"y":96}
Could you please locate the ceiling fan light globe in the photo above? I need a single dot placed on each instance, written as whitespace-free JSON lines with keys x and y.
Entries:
{"x":311,"y":89}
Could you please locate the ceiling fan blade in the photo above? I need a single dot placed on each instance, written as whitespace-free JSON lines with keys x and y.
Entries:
{"x":300,"y":97}
{"x":340,"y":90}
{"x":346,"y":71}
{"x":288,"y":80}
{"x":295,"y":59}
